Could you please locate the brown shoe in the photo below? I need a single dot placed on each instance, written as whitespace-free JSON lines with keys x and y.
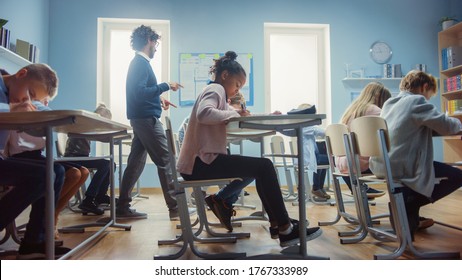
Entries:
{"x":425,"y":223}
{"x":321,"y":193}
{"x":222,"y":211}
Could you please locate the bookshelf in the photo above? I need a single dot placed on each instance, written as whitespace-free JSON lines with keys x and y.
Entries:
{"x":355,"y":84}
{"x":450,"y":89}
{"x":13,"y":57}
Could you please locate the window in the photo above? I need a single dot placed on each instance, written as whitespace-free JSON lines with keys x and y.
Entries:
{"x":297,"y":67}
{"x":114,"y":56}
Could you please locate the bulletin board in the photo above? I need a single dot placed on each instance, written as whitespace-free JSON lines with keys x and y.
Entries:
{"x":194,"y":75}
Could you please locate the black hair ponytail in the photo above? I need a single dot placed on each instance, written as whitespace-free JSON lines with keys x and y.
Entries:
{"x":227,"y":62}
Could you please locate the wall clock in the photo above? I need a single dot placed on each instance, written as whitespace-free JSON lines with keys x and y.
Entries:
{"x":380,"y":52}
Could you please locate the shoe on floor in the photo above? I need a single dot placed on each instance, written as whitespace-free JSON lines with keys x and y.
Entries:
{"x":293,"y":237}
{"x":321,"y":193}
{"x":88,"y":205}
{"x":127,"y":213}
{"x":373,"y":193}
{"x":222,"y":211}
{"x":274,"y":231}
{"x":246,"y":193}
{"x":174,"y":215}
{"x":425,"y":223}
{"x":37,"y":251}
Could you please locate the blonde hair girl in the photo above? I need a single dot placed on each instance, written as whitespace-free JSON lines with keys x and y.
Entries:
{"x":373,"y":94}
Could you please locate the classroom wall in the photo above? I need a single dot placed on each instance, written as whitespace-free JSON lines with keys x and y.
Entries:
{"x":409,"y":26}
{"x":27,"y":20}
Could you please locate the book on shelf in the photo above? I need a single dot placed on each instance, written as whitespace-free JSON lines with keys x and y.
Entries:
{"x":27,"y":50}
{"x":454,"y":107}
{"x":23,"y":48}
{"x":34,"y":53}
{"x":5,"y":38}
{"x":452,"y":83}
{"x":451,"y":57}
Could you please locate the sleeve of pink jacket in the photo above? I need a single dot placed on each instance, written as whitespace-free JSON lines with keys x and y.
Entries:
{"x":341,"y":162}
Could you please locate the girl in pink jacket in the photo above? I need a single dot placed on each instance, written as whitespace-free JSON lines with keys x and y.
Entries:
{"x":203,"y":154}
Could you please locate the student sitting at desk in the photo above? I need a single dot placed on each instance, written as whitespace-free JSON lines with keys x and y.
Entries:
{"x":225,"y":198}
{"x":24,"y":146}
{"x":204,"y":155}
{"x":28,"y":177}
{"x":411,"y":122}
{"x":96,"y":192}
{"x":368,"y":103}
{"x":229,"y":194}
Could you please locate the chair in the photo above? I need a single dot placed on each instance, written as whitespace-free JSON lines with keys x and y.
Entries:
{"x":369,"y":137}
{"x":279,"y":157}
{"x":336,"y":148}
{"x":187,"y":235}
{"x":335,"y":134}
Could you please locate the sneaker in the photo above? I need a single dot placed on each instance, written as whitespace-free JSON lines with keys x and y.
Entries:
{"x":425,"y":223}
{"x":88,"y":205}
{"x":127,"y":213}
{"x":274,"y":231}
{"x":222,"y":211}
{"x":293,"y":237}
{"x":373,"y":193}
{"x":37,"y":251}
{"x":321,"y":193}
{"x":174,"y":215}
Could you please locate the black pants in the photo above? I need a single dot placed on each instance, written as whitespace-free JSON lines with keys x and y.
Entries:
{"x":415,"y":200}
{"x":262,"y":169}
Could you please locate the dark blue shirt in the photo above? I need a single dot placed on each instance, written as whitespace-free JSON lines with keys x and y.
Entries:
{"x":143,"y":92}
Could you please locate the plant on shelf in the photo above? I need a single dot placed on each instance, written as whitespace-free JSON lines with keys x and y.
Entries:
{"x":2,"y":22}
{"x":446,"y":22}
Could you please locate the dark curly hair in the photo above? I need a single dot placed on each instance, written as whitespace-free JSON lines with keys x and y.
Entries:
{"x":227,"y":62}
{"x":140,"y":37}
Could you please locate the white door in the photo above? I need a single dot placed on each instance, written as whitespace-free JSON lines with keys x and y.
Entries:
{"x":297,"y":67}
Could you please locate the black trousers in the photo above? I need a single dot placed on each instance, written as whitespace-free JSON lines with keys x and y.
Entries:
{"x":262,"y":169}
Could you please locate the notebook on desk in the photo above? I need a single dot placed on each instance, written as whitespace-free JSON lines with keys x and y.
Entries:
{"x":308,"y":110}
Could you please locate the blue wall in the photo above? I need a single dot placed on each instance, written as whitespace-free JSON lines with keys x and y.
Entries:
{"x":409,"y":26}
{"x":28,"y":20}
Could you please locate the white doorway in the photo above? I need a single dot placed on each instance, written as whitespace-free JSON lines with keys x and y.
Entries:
{"x":297,"y":67}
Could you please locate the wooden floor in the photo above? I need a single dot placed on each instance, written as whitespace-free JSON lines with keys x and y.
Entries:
{"x":141,"y":242}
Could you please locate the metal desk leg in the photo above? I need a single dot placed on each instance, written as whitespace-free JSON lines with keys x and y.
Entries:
{"x":49,"y":196}
{"x":302,"y":247}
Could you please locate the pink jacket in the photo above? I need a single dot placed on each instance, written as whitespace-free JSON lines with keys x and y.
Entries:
{"x":341,"y":162}
{"x":205,"y":136}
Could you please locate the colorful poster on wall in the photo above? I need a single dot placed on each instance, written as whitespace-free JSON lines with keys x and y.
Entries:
{"x":194,"y":75}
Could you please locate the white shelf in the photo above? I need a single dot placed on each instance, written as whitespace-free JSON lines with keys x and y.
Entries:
{"x":357,"y":84}
{"x":13,"y":57}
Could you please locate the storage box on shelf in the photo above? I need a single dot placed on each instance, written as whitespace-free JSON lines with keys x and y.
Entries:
{"x":450,"y":63}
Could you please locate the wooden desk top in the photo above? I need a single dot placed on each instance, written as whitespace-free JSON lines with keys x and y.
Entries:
{"x":83,"y":122}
